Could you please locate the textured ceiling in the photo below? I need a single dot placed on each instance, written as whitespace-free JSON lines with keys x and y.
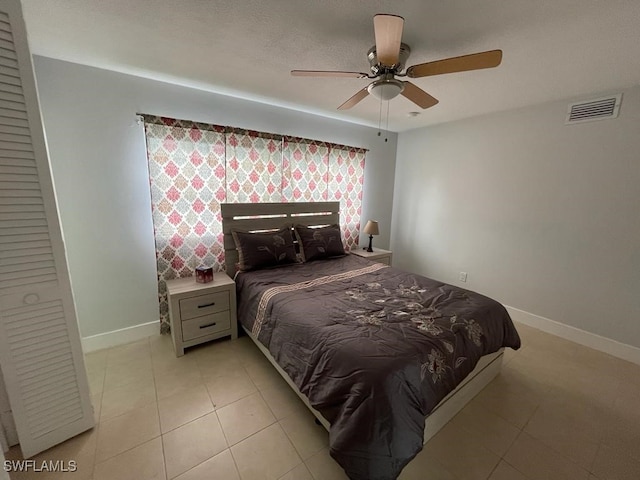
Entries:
{"x":553,"y":49}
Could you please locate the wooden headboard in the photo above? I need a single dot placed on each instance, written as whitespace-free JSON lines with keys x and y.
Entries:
{"x":271,"y":216}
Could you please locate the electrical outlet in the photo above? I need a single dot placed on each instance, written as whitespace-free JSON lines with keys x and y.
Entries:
{"x":463,"y":276}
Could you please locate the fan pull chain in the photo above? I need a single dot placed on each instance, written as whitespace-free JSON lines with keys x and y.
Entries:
{"x":387,"y":126}
{"x":386,"y":139}
{"x":380,"y":119}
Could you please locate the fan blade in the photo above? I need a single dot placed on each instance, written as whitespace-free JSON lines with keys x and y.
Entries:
{"x":355,"y":99}
{"x":388,"y":31}
{"x":418,"y":96}
{"x":475,"y":61}
{"x":327,"y":73}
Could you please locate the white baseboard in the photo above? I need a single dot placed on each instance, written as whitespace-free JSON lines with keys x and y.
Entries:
{"x":120,"y":337}
{"x":588,"y":339}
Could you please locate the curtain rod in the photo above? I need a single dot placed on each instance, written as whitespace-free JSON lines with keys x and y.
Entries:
{"x":158,"y":120}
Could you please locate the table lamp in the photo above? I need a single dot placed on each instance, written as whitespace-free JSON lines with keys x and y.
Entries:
{"x":372,"y":229}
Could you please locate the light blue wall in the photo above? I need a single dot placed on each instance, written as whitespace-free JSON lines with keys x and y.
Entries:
{"x":542,"y":216}
{"x":98,"y":159}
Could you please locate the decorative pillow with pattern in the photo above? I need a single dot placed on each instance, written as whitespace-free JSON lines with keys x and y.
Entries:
{"x":261,"y":250}
{"x":323,"y":242}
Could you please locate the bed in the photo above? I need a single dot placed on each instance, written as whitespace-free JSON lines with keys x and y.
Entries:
{"x":373,"y":351}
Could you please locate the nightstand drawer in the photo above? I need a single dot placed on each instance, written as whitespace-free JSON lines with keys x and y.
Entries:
{"x":203,"y":305}
{"x":201,"y":326}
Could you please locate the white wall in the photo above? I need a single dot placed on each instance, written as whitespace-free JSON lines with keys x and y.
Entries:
{"x":544,"y":217}
{"x":100,"y":171}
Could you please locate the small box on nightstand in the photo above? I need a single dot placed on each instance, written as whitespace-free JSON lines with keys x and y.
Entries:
{"x":204,"y":274}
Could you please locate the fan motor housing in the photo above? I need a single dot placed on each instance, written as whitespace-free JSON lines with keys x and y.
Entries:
{"x":378,"y":69}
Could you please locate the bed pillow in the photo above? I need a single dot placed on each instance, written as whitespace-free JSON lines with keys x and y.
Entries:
{"x":261,"y":250}
{"x":323,"y":242}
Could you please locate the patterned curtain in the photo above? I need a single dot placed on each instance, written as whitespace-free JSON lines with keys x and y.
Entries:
{"x":254,"y":167}
{"x":194,"y":167}
{"x":305,"y":167}
{"x":187,"y":178}
{"x":346,"y":179}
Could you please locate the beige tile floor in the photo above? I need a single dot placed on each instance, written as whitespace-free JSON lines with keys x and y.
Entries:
{"x":557,"y":411}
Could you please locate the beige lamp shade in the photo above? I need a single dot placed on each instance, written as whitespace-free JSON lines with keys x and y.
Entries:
{"x":371,"y":228}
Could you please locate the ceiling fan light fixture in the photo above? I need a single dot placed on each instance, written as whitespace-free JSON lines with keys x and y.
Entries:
{"x":387,"y":59}
{"x":386,"y":89}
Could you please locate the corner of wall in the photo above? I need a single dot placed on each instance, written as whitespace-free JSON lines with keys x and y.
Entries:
{"x":576,"y":335}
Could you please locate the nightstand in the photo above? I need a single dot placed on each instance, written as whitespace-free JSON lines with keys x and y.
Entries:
{"x":201,"y":311}
{"x":378,"y":255}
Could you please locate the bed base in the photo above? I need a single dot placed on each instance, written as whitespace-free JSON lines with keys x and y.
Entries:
{"x":486,"y":370}
{"x":284,"y":375}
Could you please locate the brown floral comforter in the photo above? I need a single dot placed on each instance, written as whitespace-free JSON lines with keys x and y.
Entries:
{"x":372,"y":347}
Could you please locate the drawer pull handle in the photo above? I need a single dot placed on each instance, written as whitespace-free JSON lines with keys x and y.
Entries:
{"x":207,"y":305}
{"x":208,"y":325}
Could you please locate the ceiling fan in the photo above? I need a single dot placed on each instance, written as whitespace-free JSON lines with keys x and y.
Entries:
{"x":387,"y":59}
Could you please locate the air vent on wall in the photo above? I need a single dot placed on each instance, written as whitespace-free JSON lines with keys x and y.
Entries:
{"x":598,"y":109}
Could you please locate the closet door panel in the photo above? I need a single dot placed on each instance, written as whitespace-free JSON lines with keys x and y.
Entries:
{"x":40,"y":350}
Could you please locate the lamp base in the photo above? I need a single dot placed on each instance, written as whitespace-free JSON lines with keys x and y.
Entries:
{"x":370,"y":248}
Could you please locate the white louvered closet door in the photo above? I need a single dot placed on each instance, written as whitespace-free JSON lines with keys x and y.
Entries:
{"x":40,"y":350}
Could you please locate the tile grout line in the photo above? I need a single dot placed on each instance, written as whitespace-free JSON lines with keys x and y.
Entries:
{"x":135,"y":446}
{"x":512,"y":466}
{"x":235,"y":463}
{"x":155,"y":390}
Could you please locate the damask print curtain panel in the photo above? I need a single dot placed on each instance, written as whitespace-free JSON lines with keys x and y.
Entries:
{"x":346,"y":180}
{"x":187,"y":179}
{"x":305,"y":170}
{"x":318,"y":172}
{"x":194,"y":167}
{"x":254,"y":167}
